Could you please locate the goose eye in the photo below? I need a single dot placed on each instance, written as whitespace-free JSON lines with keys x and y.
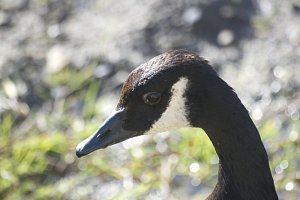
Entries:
{"x":151,"y":98}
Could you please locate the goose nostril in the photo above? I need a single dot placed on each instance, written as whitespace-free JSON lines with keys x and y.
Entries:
{"x":103,"y":134}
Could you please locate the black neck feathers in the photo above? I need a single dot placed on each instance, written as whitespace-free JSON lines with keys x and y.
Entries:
{"x":244,"y":171}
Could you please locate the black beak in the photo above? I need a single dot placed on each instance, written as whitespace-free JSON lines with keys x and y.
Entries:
{"x":109,"y":133}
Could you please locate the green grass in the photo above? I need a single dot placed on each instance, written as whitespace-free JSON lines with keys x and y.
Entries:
{"x":37,"y":159}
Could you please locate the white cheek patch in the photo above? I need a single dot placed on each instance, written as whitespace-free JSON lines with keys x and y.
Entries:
{"x":174,"y":116}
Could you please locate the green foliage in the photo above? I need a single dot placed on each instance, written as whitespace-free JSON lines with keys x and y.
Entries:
{"x":37,"y":159}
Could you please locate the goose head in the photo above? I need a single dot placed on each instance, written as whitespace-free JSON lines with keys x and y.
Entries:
{"x":156,"y":97}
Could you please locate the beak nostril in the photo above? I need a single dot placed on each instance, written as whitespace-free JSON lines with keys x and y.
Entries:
{"x":103,"y":134}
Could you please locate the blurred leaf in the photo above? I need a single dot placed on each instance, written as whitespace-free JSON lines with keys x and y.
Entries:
{"x":5,"y":128}
{"x":90,"y":99}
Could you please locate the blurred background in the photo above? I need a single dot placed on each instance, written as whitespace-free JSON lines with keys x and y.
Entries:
{"x":62,"y":64}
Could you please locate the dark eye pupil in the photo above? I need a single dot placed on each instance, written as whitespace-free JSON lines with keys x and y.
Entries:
{"x":151,"y":98}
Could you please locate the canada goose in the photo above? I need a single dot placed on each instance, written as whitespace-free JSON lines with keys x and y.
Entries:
{"x":180,"y":89}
